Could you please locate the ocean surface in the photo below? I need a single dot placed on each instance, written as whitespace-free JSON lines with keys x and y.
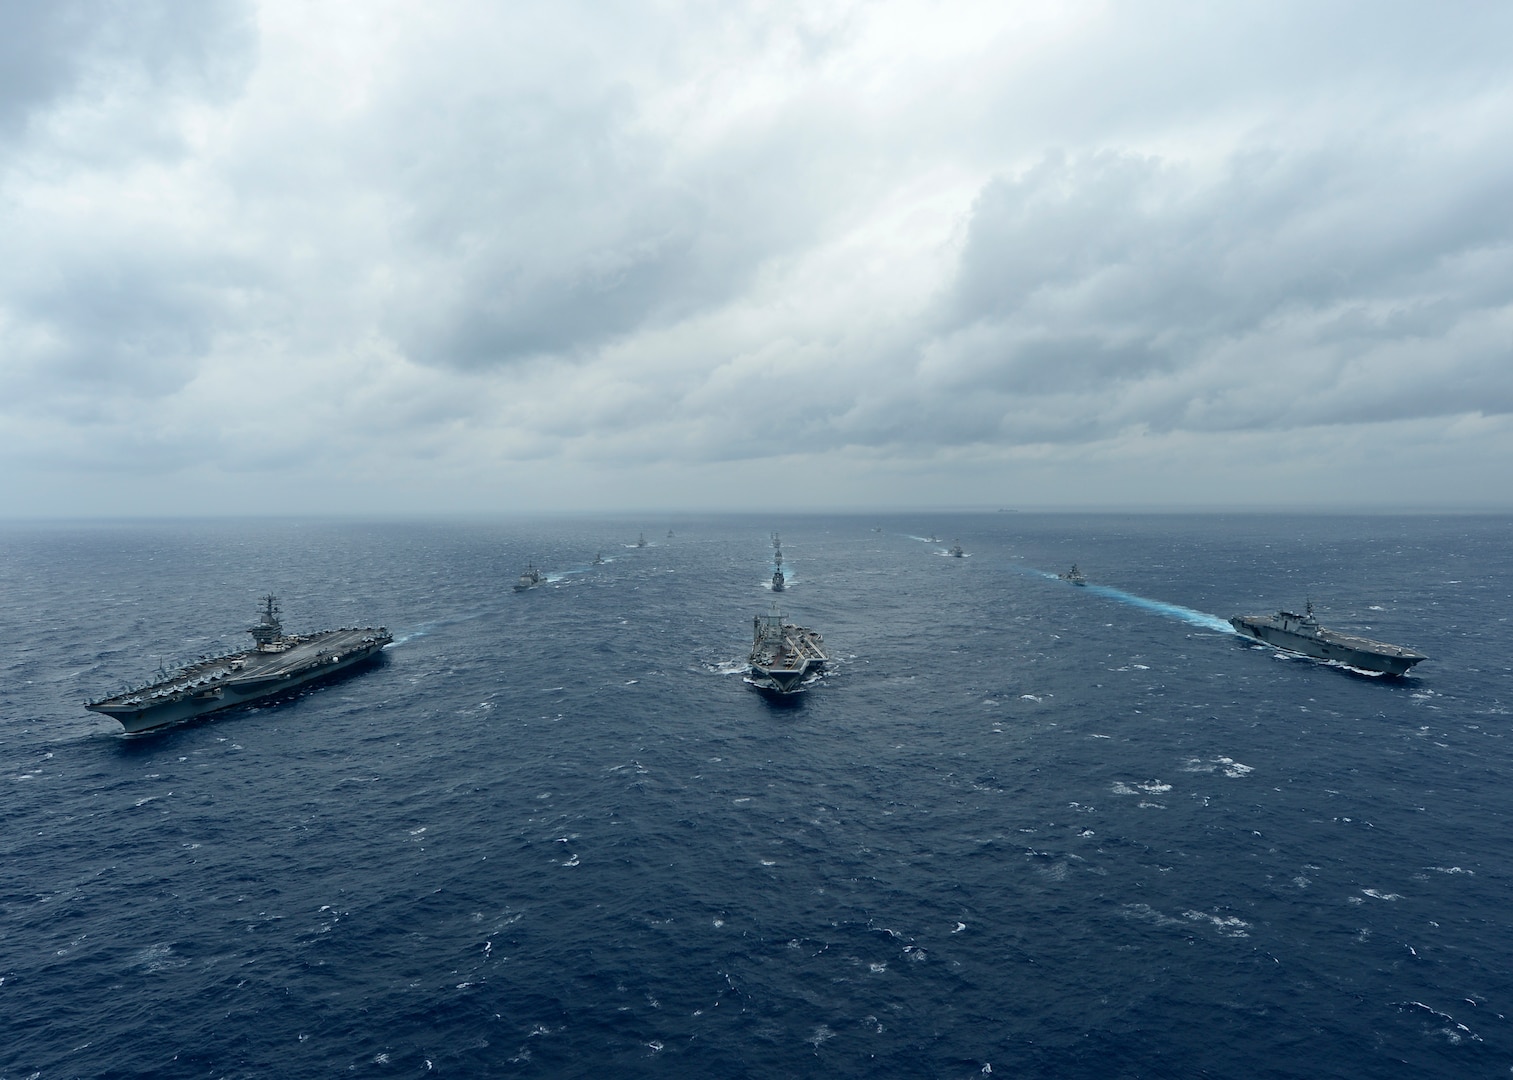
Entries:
{"x":1018,"y":829}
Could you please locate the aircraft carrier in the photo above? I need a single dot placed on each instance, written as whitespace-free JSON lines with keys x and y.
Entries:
{"x":782,"y":654}
{"x":1302,"y":634}
{"x":278,"y":662}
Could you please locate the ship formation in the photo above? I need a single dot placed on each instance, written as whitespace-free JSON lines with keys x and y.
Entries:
{"x":783,"y":655}
{"x":1302,"y":634}
{"x":277,"y":663}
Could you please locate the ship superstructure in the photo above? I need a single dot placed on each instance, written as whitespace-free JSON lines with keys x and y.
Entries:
{"x":782,"y":653}
{"x":1302,"y":634}
{"x":278,"y":662}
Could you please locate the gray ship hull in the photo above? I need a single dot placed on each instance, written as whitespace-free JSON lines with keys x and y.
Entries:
{"x":783,"y":680}
{"x":1300,"y":634}
{"x":229,"y":681}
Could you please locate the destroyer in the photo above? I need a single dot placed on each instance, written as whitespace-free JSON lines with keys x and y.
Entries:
{"x":782,"y":654}
{"x":1303,"y":634}
{"x":277,"y":663}
{"x":1075,"y":576}
{"x":530,"y":577}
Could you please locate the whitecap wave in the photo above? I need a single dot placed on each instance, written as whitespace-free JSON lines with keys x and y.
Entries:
{"x":1228,"y":765}
{"x":1227,"y":925}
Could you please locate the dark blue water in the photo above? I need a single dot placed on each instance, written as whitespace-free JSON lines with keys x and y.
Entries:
{"x":1021,"y":826}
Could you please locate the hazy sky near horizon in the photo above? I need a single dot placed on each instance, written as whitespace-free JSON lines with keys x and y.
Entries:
{"x":295,"y":257}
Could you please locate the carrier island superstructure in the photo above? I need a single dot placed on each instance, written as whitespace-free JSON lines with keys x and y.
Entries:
{"x":278,"y":662}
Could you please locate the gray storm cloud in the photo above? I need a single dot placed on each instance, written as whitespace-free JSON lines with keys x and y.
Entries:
{"x":1291,"y":289}
{"x":949,"y":256}
{"x":51,"y":52}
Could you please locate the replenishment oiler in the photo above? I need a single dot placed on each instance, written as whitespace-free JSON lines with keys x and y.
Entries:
{"x":277,"y":663}
{"x":1302,"y":634}
{"x":782,"y":654}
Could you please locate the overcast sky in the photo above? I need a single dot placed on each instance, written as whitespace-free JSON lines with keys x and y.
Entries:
{"x":367,"y":257}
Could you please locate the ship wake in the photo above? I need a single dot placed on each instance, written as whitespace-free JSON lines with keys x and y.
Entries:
{"x":424,"y":629}
{"x":1160,"y":607}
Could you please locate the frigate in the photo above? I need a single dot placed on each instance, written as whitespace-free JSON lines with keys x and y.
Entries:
{"x":1075,"y":576}
{"x":782,"y":654}
{"x":278,"y":662}
{"x":779,"y":582}
{"x":1302,"y":634}
{"x":956,"y":552}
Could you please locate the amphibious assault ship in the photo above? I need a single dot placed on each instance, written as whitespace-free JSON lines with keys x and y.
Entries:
{"x":782,"y":654}
{"x":278,"y":662}
{"x":1302,"y":634}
